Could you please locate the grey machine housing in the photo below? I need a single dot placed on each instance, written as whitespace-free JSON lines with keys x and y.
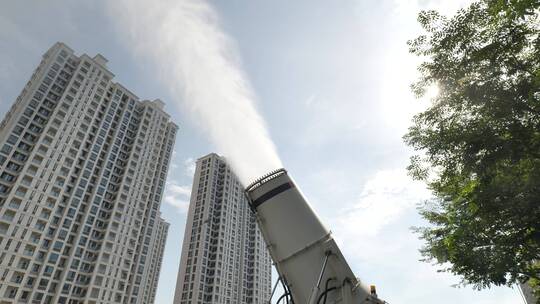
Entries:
{"x":305,"y":255}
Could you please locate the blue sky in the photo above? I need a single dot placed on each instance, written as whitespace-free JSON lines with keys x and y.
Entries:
{"x":331,"y":82}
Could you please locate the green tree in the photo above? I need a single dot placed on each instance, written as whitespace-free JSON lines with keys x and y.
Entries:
{"x":478,"y":142}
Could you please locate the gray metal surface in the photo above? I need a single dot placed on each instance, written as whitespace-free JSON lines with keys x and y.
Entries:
{"x":298,"y":243}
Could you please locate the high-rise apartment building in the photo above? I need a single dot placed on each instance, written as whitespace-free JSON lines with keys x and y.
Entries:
{"x":224,"y":257}
{"x":83,"y":164}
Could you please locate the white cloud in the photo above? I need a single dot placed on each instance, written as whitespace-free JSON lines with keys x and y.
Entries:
{"x":189,"y":166}
{"x":383,"y":199}
{"x":375,"y":238}
{"x":444,"y":6}
{"x":177,"y":196}
{"x":180,"y":190}
{"x":181,"y":205}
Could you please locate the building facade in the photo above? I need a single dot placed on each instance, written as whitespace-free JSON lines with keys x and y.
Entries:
{"x":158,"y":247}
{"x":224,"y":257}
{"x":527,"y":293}
{"x":83,"y":164}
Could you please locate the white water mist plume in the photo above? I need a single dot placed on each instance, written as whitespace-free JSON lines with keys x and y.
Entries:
{"x":183,"y":38}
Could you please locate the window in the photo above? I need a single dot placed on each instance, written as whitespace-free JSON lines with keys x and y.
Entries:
{"x":12,"y":139}
{"x":23,"y":146}
{"x":57,"y":246}
{"x":13,"y":166}
{"x":39,"y":95}
{"x":19,"y":156}
{"x":53,"y":257}
{"x":15,"y":203}
{"x":17,"y":130}
{"x":30,"y":282}
{"x":7,"y":177}
{"x":4,"y":188}
{"x":34,"y":128}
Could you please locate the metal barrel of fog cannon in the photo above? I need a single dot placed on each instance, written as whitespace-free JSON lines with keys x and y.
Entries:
{"x":306,"y":256}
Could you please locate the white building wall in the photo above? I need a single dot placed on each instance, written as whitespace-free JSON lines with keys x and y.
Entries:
{"x":528,"y":293}
{"x":158,"y":247}
{"x":223,"y":255}
{"x":82,"y":170}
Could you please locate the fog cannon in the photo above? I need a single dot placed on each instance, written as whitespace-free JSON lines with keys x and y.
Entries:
{"x":311,"y":267}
